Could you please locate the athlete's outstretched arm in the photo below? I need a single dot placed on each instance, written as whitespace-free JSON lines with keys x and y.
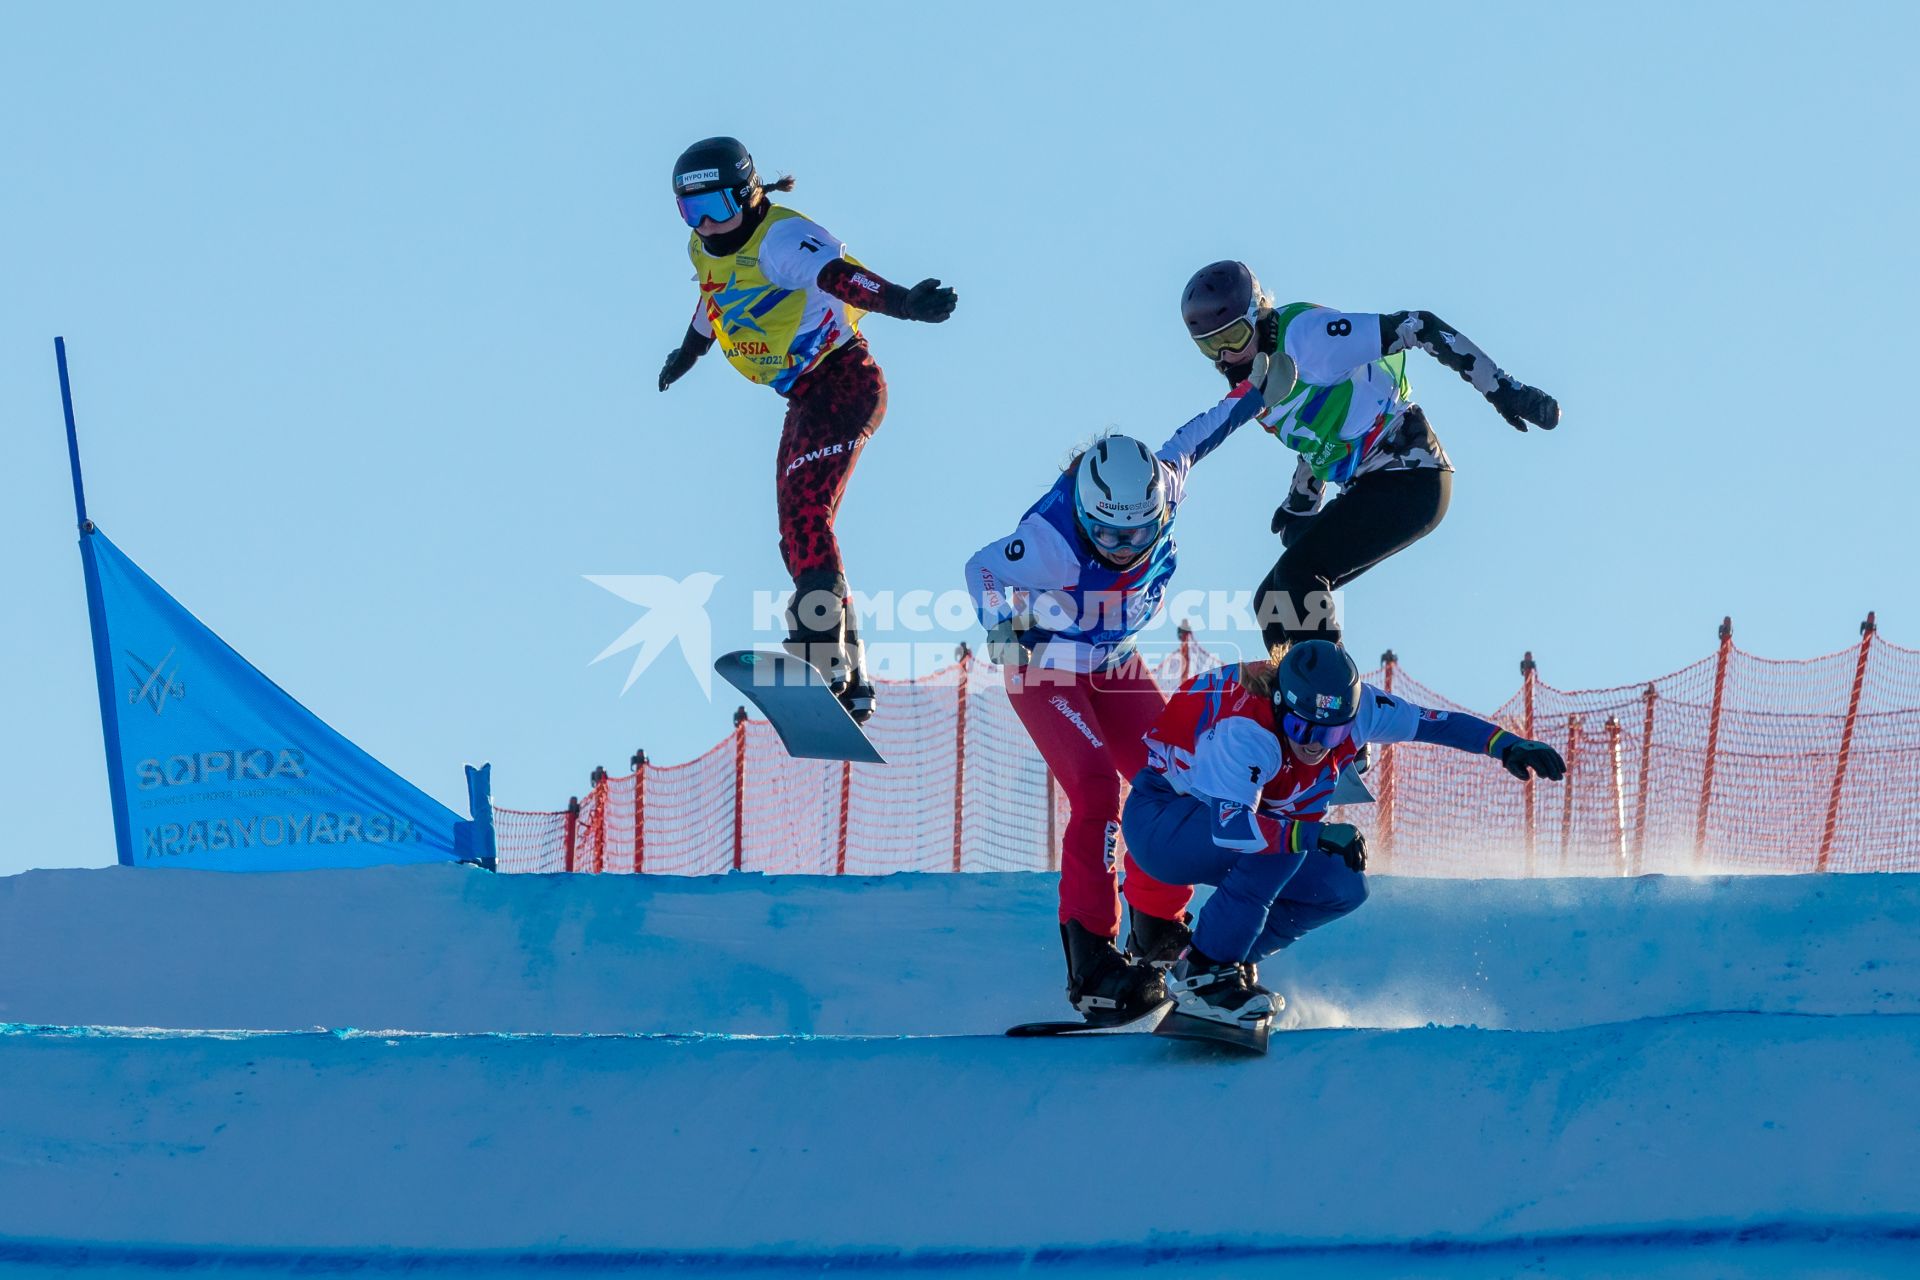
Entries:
{"x":799,"y":253}
{"x":1514,"y":400}
{"x":1207,"y":430}
{"x":929,"y":301}
{"x":1385,"y":718}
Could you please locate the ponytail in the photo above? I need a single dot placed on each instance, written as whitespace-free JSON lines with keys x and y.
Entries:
{"x":1257,"y":678}
{"x":782,"y":183}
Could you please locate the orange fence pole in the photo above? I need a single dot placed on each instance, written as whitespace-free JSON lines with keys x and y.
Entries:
{"x":1646,"y":778}
{"x":1846,"y":745}
{"x":1566,"y":790}
{"x":846,"y":802}
{"x":599,"y":781}
{"x":739,"y":786}
{"x":639,"y":763}
{"x":1713,"y":737}
{"x":965,"y":657}
{"x":1053,"y":840}
{"x":1619,"y":794}
{"x":1388,"y":664}
{"x":1526,"y":693}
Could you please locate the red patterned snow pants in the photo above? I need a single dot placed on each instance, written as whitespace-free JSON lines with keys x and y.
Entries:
{"x":1089,"y":729}
{"x":830,"y":414}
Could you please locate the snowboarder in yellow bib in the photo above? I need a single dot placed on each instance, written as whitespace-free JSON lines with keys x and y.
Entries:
{"x":1335,"y":383}
{"x":784,"y":300}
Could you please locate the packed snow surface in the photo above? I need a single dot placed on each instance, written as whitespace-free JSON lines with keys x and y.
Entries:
{"x":1663,"y":1077}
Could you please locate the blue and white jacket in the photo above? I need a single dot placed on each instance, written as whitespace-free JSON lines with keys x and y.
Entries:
{"x":1075,"y":611}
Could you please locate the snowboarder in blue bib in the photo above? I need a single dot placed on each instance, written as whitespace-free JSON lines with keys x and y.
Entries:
{"x":1336,"y":389}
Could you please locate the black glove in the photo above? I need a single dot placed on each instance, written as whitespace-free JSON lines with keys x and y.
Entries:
{"x":1521,"y":755}
{"x":930,"y":302}
{"x":1291,"y":524}
{"x":1344,"y":841}
{"x":1520,"y":404}
{"x":679,"y":360}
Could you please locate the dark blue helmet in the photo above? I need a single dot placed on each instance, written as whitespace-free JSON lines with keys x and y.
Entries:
{"x":1317,"y":682}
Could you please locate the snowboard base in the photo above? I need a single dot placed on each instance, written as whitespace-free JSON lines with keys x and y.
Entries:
{"x":1187,"y":1026}
{"x":1068,"y":1027}
{"x":798,"y":704}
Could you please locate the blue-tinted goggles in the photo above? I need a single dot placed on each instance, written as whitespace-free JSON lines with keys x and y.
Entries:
{"x":1113,"y":538}
{"x":717,"y":205}
{"x":1307,"y":733}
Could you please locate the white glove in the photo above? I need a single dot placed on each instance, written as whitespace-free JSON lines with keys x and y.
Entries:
{"x":1273,"y":376}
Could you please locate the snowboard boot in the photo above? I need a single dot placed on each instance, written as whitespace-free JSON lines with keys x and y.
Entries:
{"x":857,"y":693}
{"x":1102,"y":983}
{"x":1152,"y":940}
{"x":816,"y":618}
{"x":1218,"y":992}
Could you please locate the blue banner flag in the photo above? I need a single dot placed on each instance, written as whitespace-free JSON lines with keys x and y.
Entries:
{"x":213,"y":765}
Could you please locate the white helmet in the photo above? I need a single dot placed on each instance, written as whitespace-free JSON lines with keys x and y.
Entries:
{"x":1120,"y":495}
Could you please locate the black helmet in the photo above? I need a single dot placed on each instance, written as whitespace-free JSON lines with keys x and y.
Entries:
{"x":1317,"y":682}
{"x":1219,"y":294}
{"x":714,"y":164}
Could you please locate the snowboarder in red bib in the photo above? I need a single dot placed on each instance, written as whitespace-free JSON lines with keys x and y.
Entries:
{"x":784,"y":299}
{"x":1062,"y":598}
{"x":1337,"y":393}
{"x":1240,"y":769}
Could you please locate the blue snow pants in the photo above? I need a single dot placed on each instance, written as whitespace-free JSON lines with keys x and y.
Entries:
{"x":1262,"y":901}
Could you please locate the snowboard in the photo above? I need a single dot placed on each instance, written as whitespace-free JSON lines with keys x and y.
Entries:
{"x":1348,"y":789}
{"x":1185,"y":1026}
{"x":1069,"y":1027}
{"x":798,"y":704}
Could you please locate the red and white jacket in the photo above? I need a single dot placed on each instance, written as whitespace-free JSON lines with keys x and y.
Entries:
{"x":1216,"y":742}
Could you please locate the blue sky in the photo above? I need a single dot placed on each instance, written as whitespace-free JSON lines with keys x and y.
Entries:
{"x":366,"y":304}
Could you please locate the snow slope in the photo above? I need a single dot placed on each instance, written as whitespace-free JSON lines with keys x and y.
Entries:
{"x":451,"y":949}
{"x":1656,"y":1077}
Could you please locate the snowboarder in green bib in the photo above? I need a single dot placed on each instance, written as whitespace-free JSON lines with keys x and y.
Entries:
{"x":1336,"y":386}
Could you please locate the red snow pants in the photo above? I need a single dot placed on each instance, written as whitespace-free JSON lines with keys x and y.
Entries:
{"x":1089,"y":727}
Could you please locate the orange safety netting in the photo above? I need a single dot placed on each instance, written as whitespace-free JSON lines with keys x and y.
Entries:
{"x":1734,"y":763}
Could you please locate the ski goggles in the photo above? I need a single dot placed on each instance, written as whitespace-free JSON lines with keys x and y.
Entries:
{"x":1110,"y":537}
{"x":717,"y":205}
{"x":1309,"y":734}
{"x":1227,"y":339}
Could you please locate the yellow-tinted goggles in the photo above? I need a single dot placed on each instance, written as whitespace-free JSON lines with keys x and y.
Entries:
{"x":1227,"y":339}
